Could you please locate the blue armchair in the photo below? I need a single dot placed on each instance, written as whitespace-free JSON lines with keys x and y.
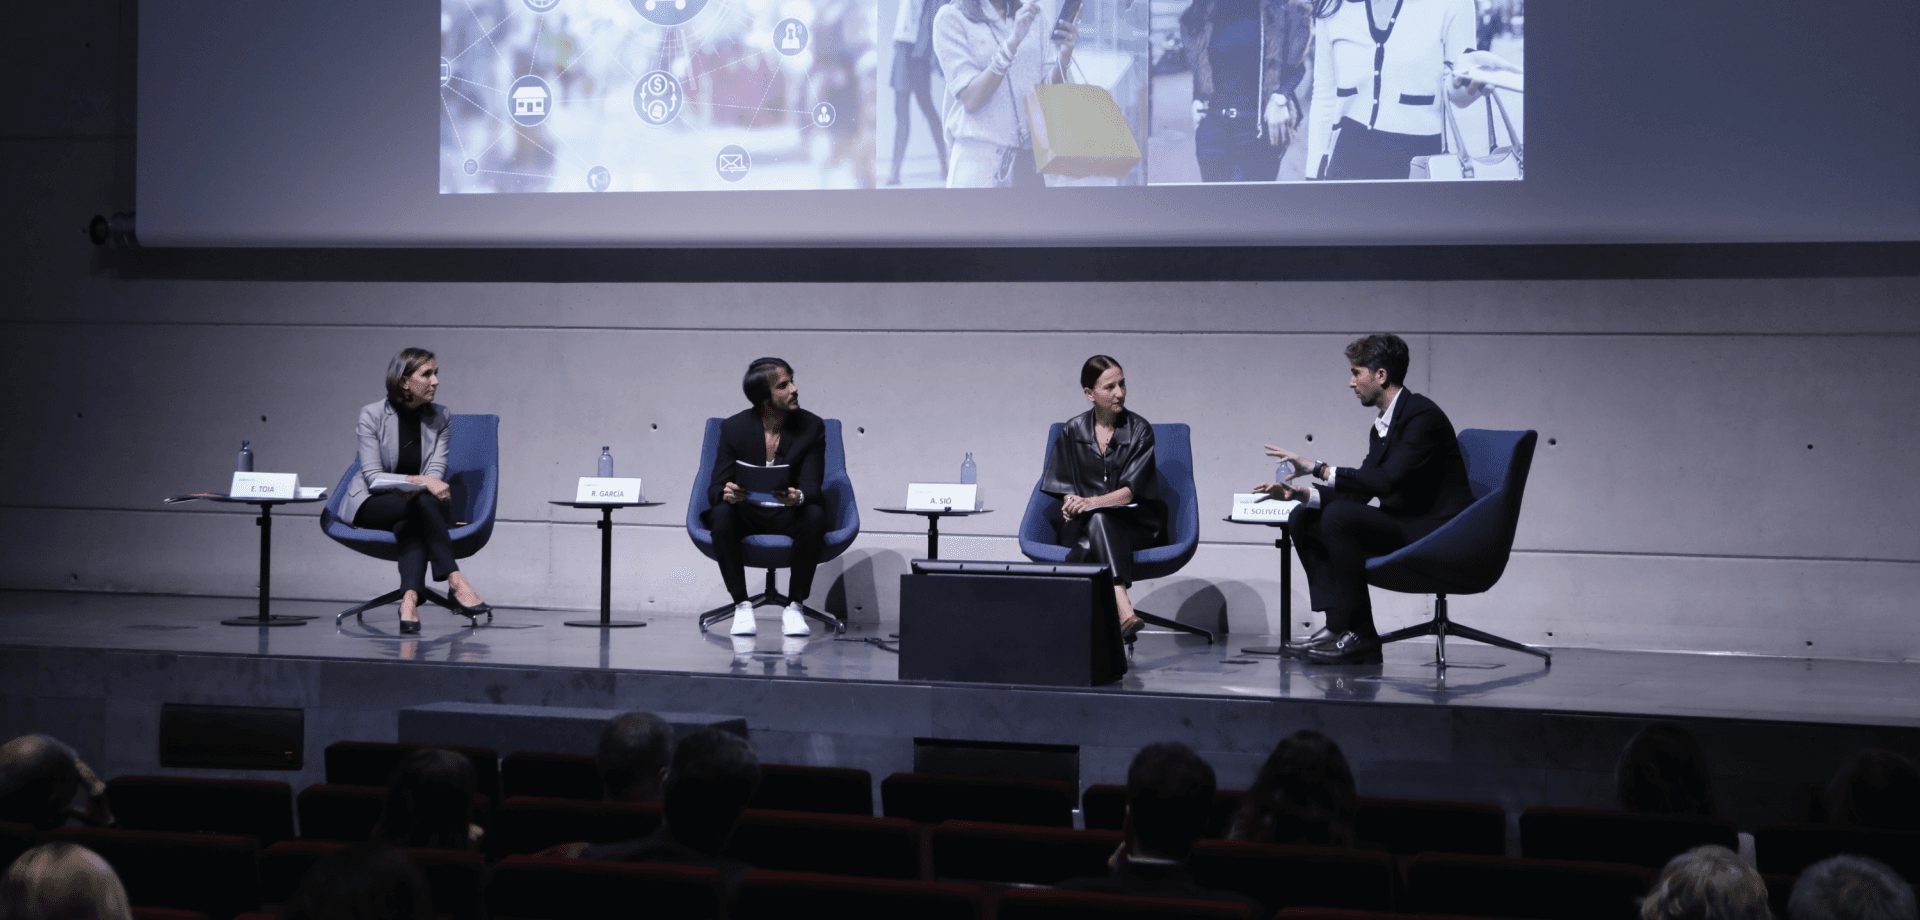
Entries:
{"x":1467,"y":554}
{"x":1173,"y":458}
{"x":473,"y":471}
{"x":769,"y":551}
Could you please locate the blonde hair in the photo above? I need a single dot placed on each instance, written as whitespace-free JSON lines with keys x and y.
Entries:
{"x":62,"y":881}
{"x":1707,"y":883}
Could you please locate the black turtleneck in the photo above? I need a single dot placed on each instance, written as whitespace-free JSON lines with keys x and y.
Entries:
{"x":409,"y":462}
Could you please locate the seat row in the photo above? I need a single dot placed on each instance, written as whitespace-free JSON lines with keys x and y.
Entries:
{"x":525,"y":823}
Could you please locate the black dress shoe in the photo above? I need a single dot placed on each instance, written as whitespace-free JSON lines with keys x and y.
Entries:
{"x":1130,"y":629}
{"x":1346,"y":648}
{"x":409,"y":626}
{"x":1322,"y":637}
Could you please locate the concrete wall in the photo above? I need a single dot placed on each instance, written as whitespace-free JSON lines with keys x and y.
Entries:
{"x":1720,"y":463}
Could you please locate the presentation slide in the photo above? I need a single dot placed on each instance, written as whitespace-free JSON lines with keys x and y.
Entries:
{"x":679,"y":95}
{"x":937,"y":123}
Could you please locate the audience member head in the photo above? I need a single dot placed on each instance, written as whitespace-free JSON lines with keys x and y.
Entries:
{"x":1707,"y":883}
{"x":429,"y":801}
{"x":1381,"y":352}
{"x":632,"y":757}
{"x":758,"y":383}
{"x":1169,"y":798}
{"x":38,"y":778}
{"x":1851,"y":888}
{"x":1661,"y":772}
{"x":366,"y":881}
{"x":400,"y":368}
{"x":62,"y":881}
{"x":1878,"y":789}
{"x":713,"y":775}
{"x":1304,"y":794}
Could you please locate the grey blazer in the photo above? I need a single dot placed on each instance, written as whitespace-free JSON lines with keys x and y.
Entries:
{"x":379,"y":433}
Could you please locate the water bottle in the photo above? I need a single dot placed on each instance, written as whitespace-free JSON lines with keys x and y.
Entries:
{"x":606,"y":462}
{"x":1284,"y":471}
{"x":245,"y":464}
{"x":969,"y":474}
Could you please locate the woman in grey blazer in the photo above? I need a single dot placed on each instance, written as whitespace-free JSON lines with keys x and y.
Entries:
{"x":408,"y":434}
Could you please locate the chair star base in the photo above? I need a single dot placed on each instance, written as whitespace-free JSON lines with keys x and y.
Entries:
{"x":772,"y":598}
{"x":394,"y":596}
{"x":1440,"y":627}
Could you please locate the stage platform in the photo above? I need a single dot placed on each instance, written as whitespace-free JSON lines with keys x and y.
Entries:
{"x":1496,"y":726}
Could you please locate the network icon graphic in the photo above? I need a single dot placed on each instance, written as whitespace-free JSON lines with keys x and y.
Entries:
{"x":668,"y":95}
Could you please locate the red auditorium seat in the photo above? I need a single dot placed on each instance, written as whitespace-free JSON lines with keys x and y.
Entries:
{"x":242,"y":807}
{"x":349,"y":813}
{"x":167,"y":913}
{"x":783,"y":895}
{"x":15,"y":839}
{"x":457,"y":880}
{"x":1014,"y":853}
{"x":1104,"y":807}
{"x":285,"y":864}
{"x":549,"y":888}
{"x":371,"y":763}
{"x":1408,"y":826}
{"x":1785,"y":849}
{"x":1335,"y":913}
{"x":525,"y":826}
{"x":1039,"y":904}
{"x":1544,"y":889}
{"x":830,"y":790}
{"x":211,"y":873}
{"x":934,"y":797}
{"x":551,"y":776}
{"x":795,"y":841}
{"x":1618,"y":836}
{"x":1283,"y":875}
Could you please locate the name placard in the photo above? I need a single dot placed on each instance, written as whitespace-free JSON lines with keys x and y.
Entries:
{"x":1248,"y":506}
{"x":608,"y":491}
{"x":265,"y":485}
{"x":942,"y":496}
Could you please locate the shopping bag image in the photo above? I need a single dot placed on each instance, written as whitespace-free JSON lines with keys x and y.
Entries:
{"x":1078,"y":130}
{"x":1508,"y":162}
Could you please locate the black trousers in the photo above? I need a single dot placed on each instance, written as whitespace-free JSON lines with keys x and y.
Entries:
{"x":807,"y":525}
{"x":1234,"y":150}
{"x":1334,"y":542}
{"x":913,"y":81}
{"x":1359,"y":152}
{"x":419,"y":521}
{"x":1106,"y":537}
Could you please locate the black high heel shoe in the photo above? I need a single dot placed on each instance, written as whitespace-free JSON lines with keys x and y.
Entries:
{"x":1130,"y":630}
{"x":413,"y":625}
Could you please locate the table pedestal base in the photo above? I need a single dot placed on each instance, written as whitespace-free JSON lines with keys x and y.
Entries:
{"x":269,"y":620}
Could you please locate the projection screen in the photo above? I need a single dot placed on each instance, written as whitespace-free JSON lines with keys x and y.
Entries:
{"x":993,"y":122}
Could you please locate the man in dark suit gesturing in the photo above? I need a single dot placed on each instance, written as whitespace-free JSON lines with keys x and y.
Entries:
{"x":1413,"y":467}
{"x":776,"y":431}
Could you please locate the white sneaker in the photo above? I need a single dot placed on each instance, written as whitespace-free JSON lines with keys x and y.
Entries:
{"x":743,"y":620}
{"x":793,"y":622}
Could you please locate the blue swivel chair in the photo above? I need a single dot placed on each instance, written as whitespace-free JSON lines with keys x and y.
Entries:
{"x":768,"y":551}
{"x":473,"y":470}
{"x":1467,"y":554}
{"x":1173,"y":459}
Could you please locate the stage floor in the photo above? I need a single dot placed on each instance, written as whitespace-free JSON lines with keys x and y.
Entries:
{"x":1579,"y":681}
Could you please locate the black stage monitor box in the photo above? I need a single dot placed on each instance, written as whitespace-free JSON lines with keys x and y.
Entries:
{"x":1053,"y":624}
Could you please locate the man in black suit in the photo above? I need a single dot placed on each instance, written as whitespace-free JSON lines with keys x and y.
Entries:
{"x":1413,"y":467}
{"x":776,"y":431}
